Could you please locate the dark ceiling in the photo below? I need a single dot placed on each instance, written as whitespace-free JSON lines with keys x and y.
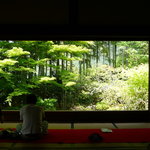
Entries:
{"x":74,"y":19}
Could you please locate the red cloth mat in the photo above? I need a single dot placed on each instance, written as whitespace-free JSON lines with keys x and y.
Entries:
{"x":81,"y":136}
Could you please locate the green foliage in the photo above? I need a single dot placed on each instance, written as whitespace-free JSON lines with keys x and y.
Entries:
{"x":67,"y":77}
{"x":21,"y":68}
{"x":16,"y":92}
{"x":132,"y":53}
{"x":75,"y":74}
{"x":42,"y":61}
{"x":79,"y":43}
{"x":70,"y":84}
{"x":7,"y":62}
{"x":58,"y":51}
{"x":10,"y":68}
{"x":87,"y":92}
{"x":11,"y":108}
{"x":102,"y":106}
{"x":82,"y":108}
{"x":48,"y":104}
{"x":138,"y":77}
{"x":46,"y":79}
{"x":135,"y":59}
{"x":117,"y":89}
{"x":141,"y":46}
{"x":69,"y":48}
{"x":15,"y":52}
{"x":138,"y":86}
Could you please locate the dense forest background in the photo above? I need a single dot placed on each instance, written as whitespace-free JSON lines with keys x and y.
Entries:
{"x":75,"y":75}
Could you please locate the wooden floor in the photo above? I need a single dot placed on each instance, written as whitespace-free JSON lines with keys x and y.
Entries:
{"x":99,"y":146}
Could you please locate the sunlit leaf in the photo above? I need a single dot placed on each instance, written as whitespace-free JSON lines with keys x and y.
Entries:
{"x":16,"y":52}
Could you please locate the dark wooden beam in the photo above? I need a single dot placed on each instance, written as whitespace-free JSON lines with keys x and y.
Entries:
{"x":87,"y":116}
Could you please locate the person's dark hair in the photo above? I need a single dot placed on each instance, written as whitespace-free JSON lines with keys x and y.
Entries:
{"x":31,"y":99}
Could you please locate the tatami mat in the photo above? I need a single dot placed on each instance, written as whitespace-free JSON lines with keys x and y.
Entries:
{"x":86,"y":125}
{"x":93,"y":125}
{"x":132,"y":125}
{"x":50,"y":125}
{"x":100,"y":146}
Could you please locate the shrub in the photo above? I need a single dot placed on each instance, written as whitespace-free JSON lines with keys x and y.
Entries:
{"x":138,"y":86}
{"x":48,"y":104}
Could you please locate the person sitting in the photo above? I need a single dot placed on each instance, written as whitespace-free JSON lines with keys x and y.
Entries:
{"x":33,"y":116}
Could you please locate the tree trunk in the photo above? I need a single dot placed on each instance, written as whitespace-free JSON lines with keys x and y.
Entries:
{"x":80,"y":67}
{"x":46,"y":69}
{"x":84,"y":64}
{"x":103,"y":58}
{"x":62,"y":64}
{"x":57,"y":64}
{"x":50,"y":68}
{"x":41,"y":70}
{"x":66,"y":62}
{"x":114,"y":56}
{"x":97,"y":56}
{"x":71,"y":63}
{"x":109,"y":53}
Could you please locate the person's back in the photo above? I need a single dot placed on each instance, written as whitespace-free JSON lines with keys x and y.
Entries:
{"x":32,"y":117}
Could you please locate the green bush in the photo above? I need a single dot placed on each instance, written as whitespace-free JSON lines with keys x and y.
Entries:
{"x":48,"y":104}
{"x":102,"y":106}
{"x":118,"y":89}
{"x":138,"y":86}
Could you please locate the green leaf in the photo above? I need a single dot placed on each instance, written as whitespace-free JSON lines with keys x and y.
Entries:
{"x":21,"y":68}
{"x":70,"y":84}
{"x":7,"y":62}
{"x":76,"y":50}
{"x":46,"y":79}
{"x":42,"y":61}
{"x":15,"y":52}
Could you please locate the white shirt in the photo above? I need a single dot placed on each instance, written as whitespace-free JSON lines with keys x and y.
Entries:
{"x":32,"y":117}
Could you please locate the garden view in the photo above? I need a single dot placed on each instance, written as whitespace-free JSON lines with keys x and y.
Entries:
{"x":75,"y":75}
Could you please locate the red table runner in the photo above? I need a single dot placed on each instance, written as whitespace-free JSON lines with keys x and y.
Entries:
{"x":81,"y":136}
